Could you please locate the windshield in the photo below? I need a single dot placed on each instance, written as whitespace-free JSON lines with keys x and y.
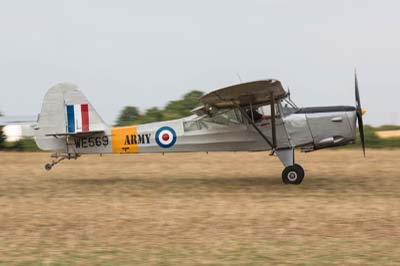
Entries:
{"x":288,"y":106}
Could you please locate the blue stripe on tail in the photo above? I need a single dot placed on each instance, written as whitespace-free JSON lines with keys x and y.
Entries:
{"x":70,"y":119}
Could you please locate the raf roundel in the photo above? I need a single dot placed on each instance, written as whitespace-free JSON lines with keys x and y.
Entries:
{"x":165,"y":137}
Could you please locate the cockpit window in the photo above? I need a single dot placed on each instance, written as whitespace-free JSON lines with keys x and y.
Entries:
{"x":254,"y":114}
{"x":221,"y":118}
{"x":225,"y":117}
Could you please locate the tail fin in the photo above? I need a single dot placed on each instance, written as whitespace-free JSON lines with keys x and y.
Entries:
{"x":65,"y":111}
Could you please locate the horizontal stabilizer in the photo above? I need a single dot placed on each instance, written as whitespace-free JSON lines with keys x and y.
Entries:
{"x":17,"y":120}
{"x":88,"y":133}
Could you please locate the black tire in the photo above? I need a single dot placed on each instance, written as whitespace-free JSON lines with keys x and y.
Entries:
{"x":48,"y":167}
{"x":301,"y":171}
{"x":293,"y":174}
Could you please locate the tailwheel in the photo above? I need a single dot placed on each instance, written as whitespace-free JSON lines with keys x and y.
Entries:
{"x":293,"y":174}
{"x":48,"y":166}
{"x":60,"y":158}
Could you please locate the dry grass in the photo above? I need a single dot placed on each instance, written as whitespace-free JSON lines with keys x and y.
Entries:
{"x":388,"y":134}
{"x":198,"y":209}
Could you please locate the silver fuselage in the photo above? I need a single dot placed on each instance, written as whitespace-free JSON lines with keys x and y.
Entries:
{"x":310,"y":128}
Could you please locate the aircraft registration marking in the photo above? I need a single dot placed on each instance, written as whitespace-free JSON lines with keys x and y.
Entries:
{"x":89,"y":142}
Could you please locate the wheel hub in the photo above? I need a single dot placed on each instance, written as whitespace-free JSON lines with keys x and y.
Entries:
{"x":292,"y":176}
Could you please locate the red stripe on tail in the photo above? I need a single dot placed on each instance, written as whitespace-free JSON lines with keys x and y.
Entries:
{"x":85,"y":117}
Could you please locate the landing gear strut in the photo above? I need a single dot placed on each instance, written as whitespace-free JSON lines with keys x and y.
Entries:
{"x":293,"y":173}
{"x":60,"y":158}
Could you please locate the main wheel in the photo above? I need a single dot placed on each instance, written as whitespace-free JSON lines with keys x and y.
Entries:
{"x":293,"y":174}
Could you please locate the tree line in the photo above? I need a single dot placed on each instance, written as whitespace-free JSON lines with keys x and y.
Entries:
{"x":131,"y":115}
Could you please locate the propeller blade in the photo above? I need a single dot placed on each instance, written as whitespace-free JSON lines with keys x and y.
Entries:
{"x":358,"y":102}
{"x":359,"y":113}
{"x":361,"y":130}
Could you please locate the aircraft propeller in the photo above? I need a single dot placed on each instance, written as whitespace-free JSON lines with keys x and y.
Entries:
{"x":360,"y":113}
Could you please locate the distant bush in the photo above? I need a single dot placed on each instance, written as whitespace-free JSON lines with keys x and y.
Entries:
{"x":373,"y":141}
{"x":26,"y":144}
{"x":2,"y":137}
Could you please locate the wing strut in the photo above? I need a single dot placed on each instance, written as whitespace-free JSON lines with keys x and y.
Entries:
{"x":245,"y":115}
{"x":273,"y":121}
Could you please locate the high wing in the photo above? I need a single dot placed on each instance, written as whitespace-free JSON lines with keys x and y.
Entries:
{"x":250,"y":93}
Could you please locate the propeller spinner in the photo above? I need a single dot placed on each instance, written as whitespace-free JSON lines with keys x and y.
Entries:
{"x":360,"y":113}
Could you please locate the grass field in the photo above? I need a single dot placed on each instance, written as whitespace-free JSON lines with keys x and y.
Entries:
{"x":198,"y":209}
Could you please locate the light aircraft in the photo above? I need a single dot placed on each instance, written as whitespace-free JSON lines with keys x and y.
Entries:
{"x":253,"y":116}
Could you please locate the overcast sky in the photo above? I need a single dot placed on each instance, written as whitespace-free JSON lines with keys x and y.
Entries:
{"x":145,"y":53}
